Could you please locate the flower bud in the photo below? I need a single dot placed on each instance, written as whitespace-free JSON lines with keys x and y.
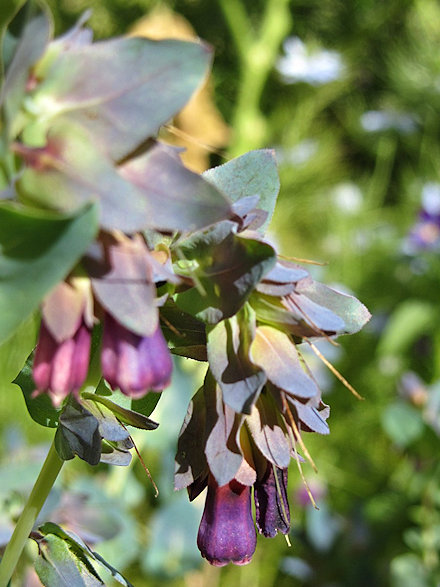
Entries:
{"x":227,"y":532}
{"x":271,"y":505}
{"x":134,"y":364}
{"x":61,"y":367}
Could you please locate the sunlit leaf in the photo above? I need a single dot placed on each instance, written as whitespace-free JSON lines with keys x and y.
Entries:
{"x":122,"y":89}
{"x":178,"y":199}
{"x":254,"y":173}
{"x":274,"y":352}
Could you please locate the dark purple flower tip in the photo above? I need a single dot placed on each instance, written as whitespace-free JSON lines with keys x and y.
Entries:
{"x":134,"y":364}
{"x":271,"y":504}
{"x":227,"y":532}
{"x":61,"y":367}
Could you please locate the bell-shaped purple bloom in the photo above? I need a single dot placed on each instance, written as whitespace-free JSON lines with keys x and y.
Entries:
{"x":271,"y":504}
{"x":61,"y":367}
{"x":134,"y":364}
{"x":227,"y":532}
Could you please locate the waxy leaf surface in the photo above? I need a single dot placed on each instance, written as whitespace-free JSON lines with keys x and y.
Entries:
{"x":70,"y":170}
{"x":37,"y":250}
{"x":78,"y":434}
{"x":252,"y":174}
{"x":178,"y":198}
{"x":123,"y":89}
{"x":274,"y":352}
{"x":353,"y":313}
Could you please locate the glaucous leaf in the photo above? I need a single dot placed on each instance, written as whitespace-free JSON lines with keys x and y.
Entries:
{"x":239,"y":378}
{"x":178,"y":199}
{"x":274,"y":352}
{"x":122,"y":90}
{"x":228,"y":268}
{"x":353,"y":313}
{"x":70,"y":170}
{"x":37,"y":250}
{"x":30,"y":47}
{"x":254,"y":173}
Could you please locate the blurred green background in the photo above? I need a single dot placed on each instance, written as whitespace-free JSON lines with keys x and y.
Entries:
{"x":348,"y":94}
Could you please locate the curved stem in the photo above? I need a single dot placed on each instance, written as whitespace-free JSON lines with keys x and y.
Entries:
{"x":48,"y":474}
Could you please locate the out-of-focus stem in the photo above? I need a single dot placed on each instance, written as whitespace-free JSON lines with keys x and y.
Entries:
{"x":48,"y":474}
{"x":257,"y":50}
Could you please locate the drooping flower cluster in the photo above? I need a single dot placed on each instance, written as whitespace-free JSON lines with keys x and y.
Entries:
{"x":126,"y":253}
{"x":257,"y":399}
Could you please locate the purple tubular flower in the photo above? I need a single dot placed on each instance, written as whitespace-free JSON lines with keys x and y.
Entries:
{"x":61,"y":367}
{"x":134,"y":364}
{"x":227,"y":532}
{"x":271,"y":505}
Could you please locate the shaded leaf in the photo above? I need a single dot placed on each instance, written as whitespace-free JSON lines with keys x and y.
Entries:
{"x":114,"y":454}
{"x":109,"y":426}
{"x":178,"y":198}
{"x":37,"y":250}
{"x":254,"y":173}
{"x":228,"y":269}
{"x":313,"y":418}
{"x":229,"y":344}
{"x":40,"y":408}
{"x":123,"y":89}
{"x":190,"y":461}
{"x":78,"y":434}
{"x":274,"y":352}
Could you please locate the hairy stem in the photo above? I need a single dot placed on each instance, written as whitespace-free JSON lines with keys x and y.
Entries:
{"x":48,"y":474}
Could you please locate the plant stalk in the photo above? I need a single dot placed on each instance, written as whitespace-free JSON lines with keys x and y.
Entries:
{"x":48,"y":474}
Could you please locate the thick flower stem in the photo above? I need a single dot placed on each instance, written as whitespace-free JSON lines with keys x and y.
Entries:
{"x":48,"y":474}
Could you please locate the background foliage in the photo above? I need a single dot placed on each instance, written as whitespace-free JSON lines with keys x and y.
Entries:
{"x":357,"y":145}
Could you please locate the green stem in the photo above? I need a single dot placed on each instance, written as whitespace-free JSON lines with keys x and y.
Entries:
{"x":48,"y":474}
{"x":257,"y":50}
